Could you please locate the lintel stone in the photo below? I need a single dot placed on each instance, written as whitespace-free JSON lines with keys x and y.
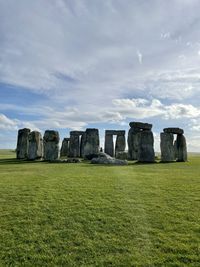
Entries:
{"x":140,"y":125}
{"x":174,"y":130}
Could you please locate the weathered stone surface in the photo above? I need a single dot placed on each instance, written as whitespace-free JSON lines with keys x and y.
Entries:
{"x":140,"y":125}
{"x":35,"y":147}
{"x":167,"y":147}
{"x":109,"y":145}
{"x":122,"y":155}
{"x":90,"y":142}
{"x":22,"y":143}
{"x":120,"y":143}
{"x":104,"y":158}
{"x":173,"y":130}
{"x":175,"y":150}
{"x":64,"y":152}
{"x":51,"y":145}
{"x":91,"y":156}
{"x":133,"y":143}
{"x":82,"y":143}
{"x":77,"y":132}
{"x":181,"y":148}
{"x":115,"y":132}
{"x":146,"y":150}
{"x":74,"y":144}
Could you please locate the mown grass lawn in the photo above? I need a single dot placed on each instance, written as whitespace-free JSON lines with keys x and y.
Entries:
{"x":88,"y":215}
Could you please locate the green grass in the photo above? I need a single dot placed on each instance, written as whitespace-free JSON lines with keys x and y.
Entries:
{"x":88,"y":215}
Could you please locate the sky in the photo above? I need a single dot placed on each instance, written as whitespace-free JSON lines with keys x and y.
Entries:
{"x":76,"y":64}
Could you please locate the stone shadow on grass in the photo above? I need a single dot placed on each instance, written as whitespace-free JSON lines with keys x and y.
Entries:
{"x":17,"y":161}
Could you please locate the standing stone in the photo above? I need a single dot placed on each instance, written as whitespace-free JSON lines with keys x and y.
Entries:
{"x":22,"y":143}
{"x":133,"y":143}
{"x":51,"y":145}
{"x":83,"y":140}
{"x":167,"y":147}
{"x":181,"y":148}
{"x":122,"y":155}
{"x":109,"y":145}
{"x":120,"y":143}
{"x":64,"y":152}
{"x":90,"y":142}
{"x":175,"y":150}
{"x":35,"y":147}
{"x":146,"y":150}
{"x":75,"y":144}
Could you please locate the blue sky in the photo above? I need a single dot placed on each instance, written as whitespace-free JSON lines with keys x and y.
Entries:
{"x":74,"y":64}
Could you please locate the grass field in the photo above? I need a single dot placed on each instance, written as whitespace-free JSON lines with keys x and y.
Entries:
{"x":88,"y":215}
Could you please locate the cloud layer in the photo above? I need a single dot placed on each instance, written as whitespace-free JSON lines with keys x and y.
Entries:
{"x":100,"y":63}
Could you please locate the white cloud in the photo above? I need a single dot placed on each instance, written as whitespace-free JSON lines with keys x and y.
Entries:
{"x":118,"y":112}
{"x":141,"y":109}
{"x":6,"y":123}
{"x":177,"y":111}
{"x":92,"y":46}
{"x":15,"y":124}
{"x":84,"y":55}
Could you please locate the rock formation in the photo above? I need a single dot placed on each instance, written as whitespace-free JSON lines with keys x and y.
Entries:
{"x":140,"y":142}
{"x":167,"y":147}
{"x":173,"y":151}
{"x":133,"y":143}
{"x":90,"y":142}
{"x":145,"y":149}
{"x":173,"y":130}
{"x":86,"y":144}
{"x":109,"y":145}
{"x":35,"y":147}
{"x":103,"y":158}
{"x":74,"y":144}
{"x":22,"y":143}
{"x":140,"y":125}
{"x":122,"y":155}
{"x":181,"y":148}
{"x":64,"y":152}
{"x":51,"y":145}
{"x":120,"y":142}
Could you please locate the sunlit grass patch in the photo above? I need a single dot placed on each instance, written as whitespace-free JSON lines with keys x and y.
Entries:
{"x":88,"y":215}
